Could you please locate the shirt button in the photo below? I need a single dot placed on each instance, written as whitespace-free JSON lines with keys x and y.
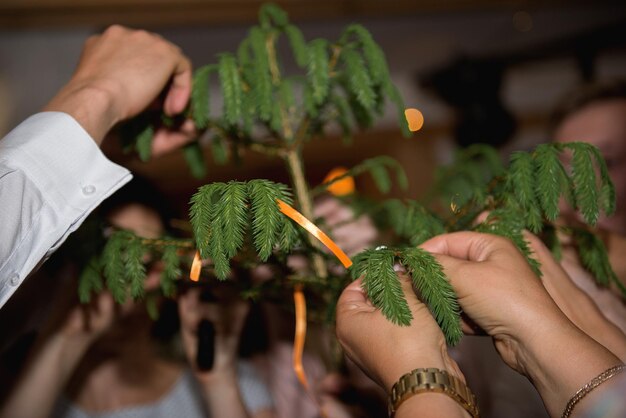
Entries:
{"x":89,"y":189}
{"x":15,"y":279}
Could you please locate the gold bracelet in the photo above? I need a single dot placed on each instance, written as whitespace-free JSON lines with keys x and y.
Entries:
{"x":594,"y":383}
{"x":431,"y":380}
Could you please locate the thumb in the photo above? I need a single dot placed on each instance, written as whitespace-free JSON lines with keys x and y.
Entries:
{"x":353,"y":297}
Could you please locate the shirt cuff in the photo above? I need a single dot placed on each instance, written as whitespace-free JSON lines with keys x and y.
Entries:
{"x":62,"y":161}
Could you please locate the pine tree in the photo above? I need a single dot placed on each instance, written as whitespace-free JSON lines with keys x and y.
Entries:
{"x":346,"y":83}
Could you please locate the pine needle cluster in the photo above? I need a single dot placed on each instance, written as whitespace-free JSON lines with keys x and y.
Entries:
{"x":121,"y":266}
{"x":222,"y":213}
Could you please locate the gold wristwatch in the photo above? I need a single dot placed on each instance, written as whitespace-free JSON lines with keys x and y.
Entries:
{"x":432,"y":380}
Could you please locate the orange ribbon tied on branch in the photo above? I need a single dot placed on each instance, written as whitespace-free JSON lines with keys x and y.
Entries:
{"x":315,"y":231}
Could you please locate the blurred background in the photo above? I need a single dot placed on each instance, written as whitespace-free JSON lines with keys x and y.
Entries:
{"x":479,"y":71}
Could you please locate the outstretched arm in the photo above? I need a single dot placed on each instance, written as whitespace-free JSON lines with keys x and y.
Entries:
{"x":52,"y":172}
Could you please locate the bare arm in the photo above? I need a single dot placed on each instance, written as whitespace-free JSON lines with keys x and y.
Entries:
{"x":497,"y":289}
{"x":55,"y":359}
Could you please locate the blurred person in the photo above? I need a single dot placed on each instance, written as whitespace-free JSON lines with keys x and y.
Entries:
{"x":341,"y":395}
{"x":103,"y":359}
{"x":502,"y":297}
{"x":596,"y":114}
{"x":52,"y":172}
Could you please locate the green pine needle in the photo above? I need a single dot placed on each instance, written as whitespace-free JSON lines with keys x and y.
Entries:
{"x":231,"y":88}
{"x":266,"y":217}
{"x":396,"y":98}
{"x":508,"y":223}
{"x":90,"y":280}
{"x":547,"y":186}
{"x":195,"y":159}
{"x":419,"y":224}
{"x":383,"y":287}
{"x":374,"y":56}
{"x":262,"y":81}
{"x":135,"y":270}
{"x":584,"y":176}
{"x":298,"y":45}
{"x":171,"y":270}
{"x":243,"y":53}
{"x":359,"y":82}
{"x":144,"y":143}
{"x":271,"y":12}
{"x":200,"y":103}
{"x":521,"y":184}
{"x":113,"y":262}
{"x":607,"y":189}
{"x":219,"y":150}
{"x":429,"y":278}
{"x":201,"y":205}
{"x":289,"y":236}
{"x":231,"y":213}
{"x":317,"y":70}
{"x":594,"y":257}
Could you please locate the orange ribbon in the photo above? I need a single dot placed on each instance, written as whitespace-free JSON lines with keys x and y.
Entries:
{"x":196,"y":266}
{"x":298,"y":295}
{"x":315,"y":231}
{"x":300,"y":335}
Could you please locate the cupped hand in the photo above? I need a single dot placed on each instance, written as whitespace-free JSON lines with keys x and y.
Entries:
{"x":88,"y":322}
{"x":496,"y":288}
{"x":383,"y":350}
{"x":500,"y":293}
{"x":228,"y":319}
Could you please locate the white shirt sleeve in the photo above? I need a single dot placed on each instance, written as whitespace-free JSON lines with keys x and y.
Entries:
{"x":52,"y":175}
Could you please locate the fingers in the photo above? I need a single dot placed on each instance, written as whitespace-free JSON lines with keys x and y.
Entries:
{"x":180,"y":89}
{"x":472,"y":246}
{"x":166,"y":140}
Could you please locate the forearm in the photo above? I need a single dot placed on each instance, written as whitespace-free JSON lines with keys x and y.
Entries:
{"x":91,"y":106}
{"x":221,"y":395}
{"x":44,"y":379}
{"x":562,"y":363}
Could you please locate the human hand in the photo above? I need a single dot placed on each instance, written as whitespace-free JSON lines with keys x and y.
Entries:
{"x":120,"y":73}
{"x":500,"y":293}
{"x":351,"y":235}
{"x":228,"y":319}
{"x":386,"y":351}
{"x":574,"y":302}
